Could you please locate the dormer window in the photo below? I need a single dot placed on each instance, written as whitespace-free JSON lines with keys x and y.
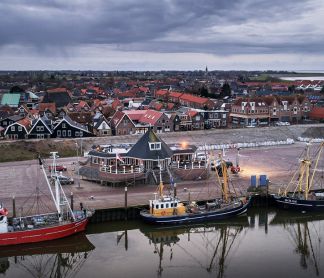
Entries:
{"x":155,"y":146}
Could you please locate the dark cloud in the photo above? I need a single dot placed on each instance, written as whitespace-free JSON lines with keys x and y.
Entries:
{"x":158,"y":26}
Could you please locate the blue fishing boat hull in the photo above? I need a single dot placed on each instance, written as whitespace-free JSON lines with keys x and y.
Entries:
{"x":299,"y":204}
{"x":196,"y":217}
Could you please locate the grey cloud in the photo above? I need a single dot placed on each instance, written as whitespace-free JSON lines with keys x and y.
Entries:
{"x":150,"y":25}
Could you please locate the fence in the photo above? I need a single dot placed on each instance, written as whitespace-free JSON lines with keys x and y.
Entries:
{"x":246,"y":145}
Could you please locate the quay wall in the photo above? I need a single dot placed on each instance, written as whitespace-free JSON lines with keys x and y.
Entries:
{"x":133,"y":212}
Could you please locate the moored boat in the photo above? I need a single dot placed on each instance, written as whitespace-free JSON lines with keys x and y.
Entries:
{"x":305,"y":196}
{"x":168,"y":209}
{"x":42,"y":227}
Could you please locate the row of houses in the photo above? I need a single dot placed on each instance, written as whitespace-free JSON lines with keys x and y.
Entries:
{"x":269,"y":109}
{"x":139,"y":121}
{"x":69,"y":124}
{"x":43,"y":128}
{"x":185,"y":99}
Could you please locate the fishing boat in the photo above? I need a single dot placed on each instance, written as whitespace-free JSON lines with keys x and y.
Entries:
{"x":168,"y":209}
{"x":48,"y":226}
{"x":302,"y":192}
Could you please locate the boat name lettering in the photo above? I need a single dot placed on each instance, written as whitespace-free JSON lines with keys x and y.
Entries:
{"x":291,"y":201}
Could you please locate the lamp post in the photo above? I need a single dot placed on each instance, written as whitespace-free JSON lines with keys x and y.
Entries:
{"x":78,"y":168}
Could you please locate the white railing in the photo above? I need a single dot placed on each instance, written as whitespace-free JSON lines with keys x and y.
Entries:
{"x":314,"y":140}
{"x":246,"y":145}
{"x":123,"y":170}
{"x":190,"y":165}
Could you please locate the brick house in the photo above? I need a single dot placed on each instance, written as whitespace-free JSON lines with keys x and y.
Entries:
{"x":121,"y":124}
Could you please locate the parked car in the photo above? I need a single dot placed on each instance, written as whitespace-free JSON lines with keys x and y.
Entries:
{"x":63,"y":179}
{"x":282,"y":123}
{"x":59,"y":168}
{"x":213,"y":167}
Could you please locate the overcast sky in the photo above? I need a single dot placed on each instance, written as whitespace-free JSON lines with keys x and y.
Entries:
{"x":161,"y":34}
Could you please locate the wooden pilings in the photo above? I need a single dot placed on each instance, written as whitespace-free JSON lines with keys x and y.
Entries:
{"x":13,"y":206}
{"x":125,"y":202}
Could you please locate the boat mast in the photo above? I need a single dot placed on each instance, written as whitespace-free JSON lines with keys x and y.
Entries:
{"x":57,"y":204}
{"x":161,"y":182}
{"x":307,"y":164}
{"x":225,"y":178}
{"x":316,"y":163}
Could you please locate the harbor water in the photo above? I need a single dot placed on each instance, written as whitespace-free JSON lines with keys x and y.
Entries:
{"x":262,"y":243}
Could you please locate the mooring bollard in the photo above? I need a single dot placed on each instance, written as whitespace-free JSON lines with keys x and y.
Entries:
{"x":125,"y":202}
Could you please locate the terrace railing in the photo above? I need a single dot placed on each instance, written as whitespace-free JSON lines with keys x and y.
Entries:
{"x":121,"y":170}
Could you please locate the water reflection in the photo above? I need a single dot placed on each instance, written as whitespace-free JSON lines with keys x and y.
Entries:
{"x":305,"y":234}
{"x":215,"y":241}
{"x":262,"y":243}
{"x":57,"y":258}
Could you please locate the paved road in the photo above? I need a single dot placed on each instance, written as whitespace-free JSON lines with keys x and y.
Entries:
{"x":20,"y":179}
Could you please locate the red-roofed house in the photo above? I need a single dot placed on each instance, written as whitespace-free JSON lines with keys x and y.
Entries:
{"x":121,"y":124}
{"x":170,"y":106}
{"x":138,"y":122}
{"x":175,"y":97}
{"x":196,"y":102}
{"x":47,"y":109}
{"x":162,"y":94}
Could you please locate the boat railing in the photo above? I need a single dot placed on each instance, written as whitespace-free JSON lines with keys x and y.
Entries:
{"x":122,"y":170}
{"x":48,"y":219}
{"x":200,"y":164}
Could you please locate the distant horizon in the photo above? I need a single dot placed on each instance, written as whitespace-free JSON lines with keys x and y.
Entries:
{"x":165,"y":70}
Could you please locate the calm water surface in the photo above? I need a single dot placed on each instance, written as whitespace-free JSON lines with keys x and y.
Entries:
{"x":263,"y":243}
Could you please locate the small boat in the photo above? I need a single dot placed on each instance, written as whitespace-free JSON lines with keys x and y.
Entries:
{"x":168,"y":209}
{"x":303,"y":198}
{"x":42,"y":227}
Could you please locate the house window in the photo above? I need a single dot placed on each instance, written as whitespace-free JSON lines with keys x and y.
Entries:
{"x":13,"y":128}
{"x":155,"y":146}
{"x":63,"y":125}
{"x":81,"y":134}
{"x":64,"y":133}
{"x":77,"y":134}
{"x":59,"y":133}
{"x":69,"y":133}
{"x":19,"y":128}
{"x":39,"y":128}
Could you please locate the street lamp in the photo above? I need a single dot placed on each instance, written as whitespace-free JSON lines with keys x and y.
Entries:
{"x":78,"y":168}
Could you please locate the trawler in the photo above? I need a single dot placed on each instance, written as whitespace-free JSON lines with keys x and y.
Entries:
{"x":42,"y":227}
{"x":302,"y":192}
{"x":168,"y":209}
